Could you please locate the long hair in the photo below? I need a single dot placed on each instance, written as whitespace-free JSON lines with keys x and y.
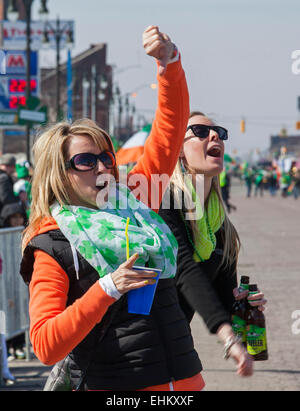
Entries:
{"x":230,"y":238}
{"x":50,"y":177}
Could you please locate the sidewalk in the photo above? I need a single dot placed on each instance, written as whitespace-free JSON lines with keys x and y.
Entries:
{"x":30,"y":375}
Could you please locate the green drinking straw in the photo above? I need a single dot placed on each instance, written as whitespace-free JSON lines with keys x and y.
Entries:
{"x":127,"y":239}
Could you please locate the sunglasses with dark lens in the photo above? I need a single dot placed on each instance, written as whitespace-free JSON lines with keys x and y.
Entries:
{"x":202,"y":131}
{"x":88,"y":161}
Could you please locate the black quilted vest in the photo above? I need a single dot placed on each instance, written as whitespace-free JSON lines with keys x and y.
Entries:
{"x":137,"y":351}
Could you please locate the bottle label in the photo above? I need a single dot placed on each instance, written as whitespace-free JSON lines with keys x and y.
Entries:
{"x":243,"y":287}
{"x":256,"y":339}
{"x":239,"y":327}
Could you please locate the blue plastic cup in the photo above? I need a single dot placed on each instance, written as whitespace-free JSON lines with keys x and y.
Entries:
{"x":140,"y":300}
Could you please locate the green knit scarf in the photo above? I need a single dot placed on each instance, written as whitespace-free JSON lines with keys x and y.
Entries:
{"x":213,"y":217}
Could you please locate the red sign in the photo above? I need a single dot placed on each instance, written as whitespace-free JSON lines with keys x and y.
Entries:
{"x":19,"y":85}
{"x":15,"y":101}
{"x":15,"y":60}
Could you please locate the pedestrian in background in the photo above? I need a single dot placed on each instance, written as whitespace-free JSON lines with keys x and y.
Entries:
{"x":295,"y":180}
{"x":225,"y":184}
{"x":7,"y":376}
{"x":7,"y":169}
{"x":209,"y":244}
{"x":12,"y":215}
{"x":22,"y":187}
{"x":285,"y":181}
{"x":68,"y":303}
{"x":272,"y":181}
{"x":248,"y":178}
{"x":259,"y":182}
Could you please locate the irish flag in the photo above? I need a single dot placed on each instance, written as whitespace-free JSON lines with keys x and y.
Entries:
{"x":131,"y":151}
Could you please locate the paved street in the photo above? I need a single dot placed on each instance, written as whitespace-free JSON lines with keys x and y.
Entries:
{"x":270,"y":233}
{"x":269,"y":229}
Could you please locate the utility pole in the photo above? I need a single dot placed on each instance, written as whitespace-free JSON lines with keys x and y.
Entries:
{"x":57,"y":43}
{"x":12,"y":14}
{"x":27,"y":5}
{"x":93,"y":92}
{"x":58,"y":31}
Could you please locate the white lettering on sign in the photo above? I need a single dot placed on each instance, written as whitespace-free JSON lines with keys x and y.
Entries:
{"x":29,"y":115}
{"x":7,"y":118}
{"x":2,"y":322}
{"x":2,"y":62}
{"x":14,"y":34}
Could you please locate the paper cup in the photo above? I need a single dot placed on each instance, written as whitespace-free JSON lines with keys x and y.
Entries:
{"x":140,"y":300}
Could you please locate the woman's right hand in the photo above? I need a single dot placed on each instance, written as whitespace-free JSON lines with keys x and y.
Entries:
{"x":126,"y":278}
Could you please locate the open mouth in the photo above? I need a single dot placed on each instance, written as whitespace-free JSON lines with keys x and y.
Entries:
{"x":101,"y":185}
{"x":214,"y":152}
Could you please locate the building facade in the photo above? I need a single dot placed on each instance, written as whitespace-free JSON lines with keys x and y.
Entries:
{"x":91,"y":87}
{"x":91,"y":90}
{"x":291,"y":144}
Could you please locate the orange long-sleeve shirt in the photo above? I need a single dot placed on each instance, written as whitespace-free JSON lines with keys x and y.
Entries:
{"x":56,"y":329}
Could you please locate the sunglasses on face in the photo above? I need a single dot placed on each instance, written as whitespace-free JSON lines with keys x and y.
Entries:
{"x":202,"y":131}
{"x":88,"y":161}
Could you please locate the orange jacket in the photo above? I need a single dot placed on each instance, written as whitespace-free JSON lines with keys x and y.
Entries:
{"x":56,"y":329}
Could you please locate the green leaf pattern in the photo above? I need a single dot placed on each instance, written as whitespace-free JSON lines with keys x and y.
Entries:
{"x":99,"y":235}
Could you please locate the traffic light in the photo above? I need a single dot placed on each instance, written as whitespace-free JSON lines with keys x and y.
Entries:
{"x":298,"y":125}
{"x":243,"y":126}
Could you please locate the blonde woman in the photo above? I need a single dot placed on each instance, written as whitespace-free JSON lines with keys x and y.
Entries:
{"x":73,"y":239}
{"x":208,"y":244}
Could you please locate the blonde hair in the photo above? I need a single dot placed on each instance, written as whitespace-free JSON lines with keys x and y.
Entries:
{"x":50,"y":177}
{"x":230,"y":236}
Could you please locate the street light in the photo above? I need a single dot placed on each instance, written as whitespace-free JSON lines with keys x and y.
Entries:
{"x":85,"y":91}
{"x":134,"y":92}
{"x":12,"y":11}
{"x":43,"y":11}
{"x":59,"y":31}
{"x":103,"y":85}
{"x":122,"y":102}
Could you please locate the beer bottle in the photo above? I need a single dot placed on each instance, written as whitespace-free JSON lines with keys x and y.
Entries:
{"x":238,"y":312}
{"x":256,"y":330}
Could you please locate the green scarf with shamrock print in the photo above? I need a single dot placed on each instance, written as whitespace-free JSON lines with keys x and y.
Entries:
{"x":211,"y":221}
{"x":99,"y":235}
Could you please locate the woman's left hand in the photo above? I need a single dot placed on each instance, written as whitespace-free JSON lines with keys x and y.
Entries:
{"x":255,"y":300}
{"x":244,"y":361}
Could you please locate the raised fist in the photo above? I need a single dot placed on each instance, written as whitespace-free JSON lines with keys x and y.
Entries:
{"x":158,"y":45}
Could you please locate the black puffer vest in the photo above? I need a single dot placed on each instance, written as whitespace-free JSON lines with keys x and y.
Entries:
{"x":137,"y":351}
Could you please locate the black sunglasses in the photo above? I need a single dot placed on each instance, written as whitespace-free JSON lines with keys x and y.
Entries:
{"x":202,"y":131}
{"x":88,"y":161}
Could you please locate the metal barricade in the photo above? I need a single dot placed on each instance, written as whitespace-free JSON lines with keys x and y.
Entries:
{"x":14,"y":296}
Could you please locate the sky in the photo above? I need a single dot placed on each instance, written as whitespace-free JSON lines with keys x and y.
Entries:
{"x":237,"y":56}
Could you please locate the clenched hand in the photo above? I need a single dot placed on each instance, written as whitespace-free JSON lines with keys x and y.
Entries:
{"x":158,"y":45}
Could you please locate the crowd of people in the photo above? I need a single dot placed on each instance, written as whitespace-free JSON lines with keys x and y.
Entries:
{"x":15,"y":192}
{"x":272,"y":179}
{"x":74,"y":247}
{"x":260,"y":179}
{"x":15,"y":197}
